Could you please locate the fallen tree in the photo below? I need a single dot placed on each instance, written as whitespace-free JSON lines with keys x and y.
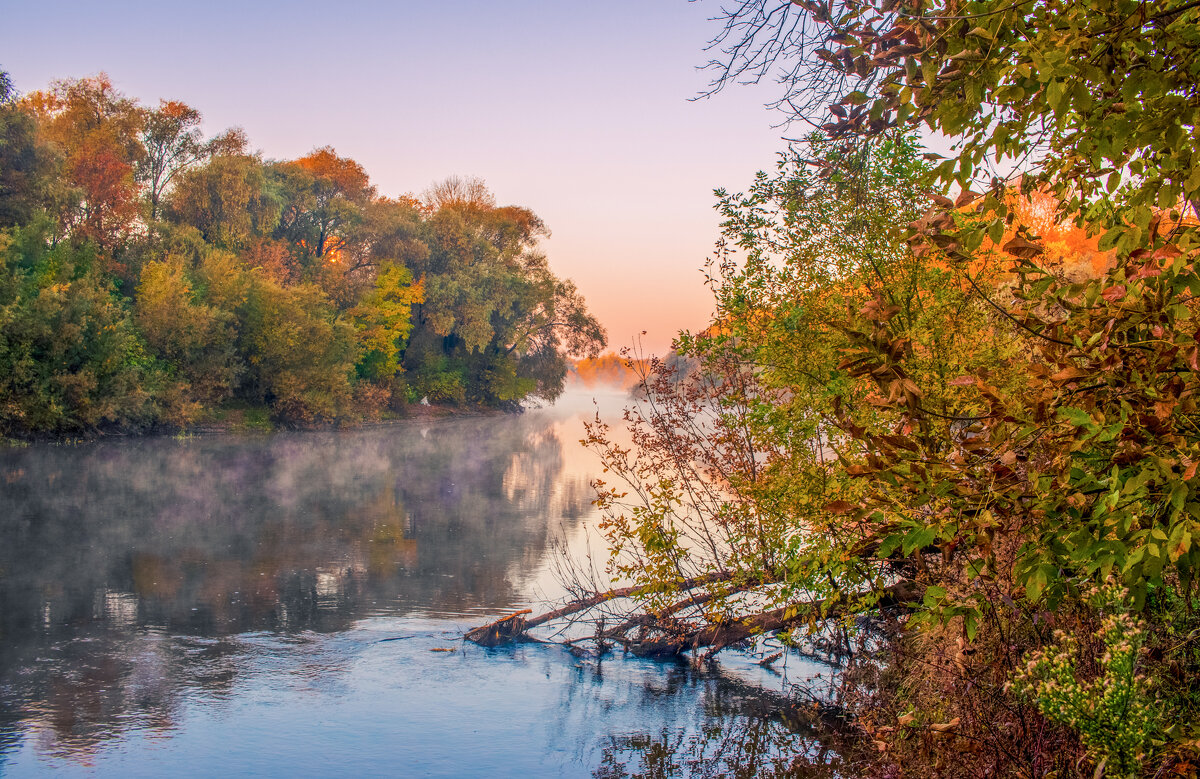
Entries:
{"x":514,"y":628}
{"x":662,"y":633}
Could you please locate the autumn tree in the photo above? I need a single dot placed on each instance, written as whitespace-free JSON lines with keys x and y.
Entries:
{"x":1033,"y":475}
{"x":230,"y":199}
{"x":97,"y":131}
{"x":173,"y":143}
{"x":496,"y":324}
{"x":387,"y":232}
{"x":1094,"y":101}
{"x":325,"y":197}
{"x":609,"y":369}
{"x":727,"y":490}
{"x":289,"y":284}
{"x":981,"y":463}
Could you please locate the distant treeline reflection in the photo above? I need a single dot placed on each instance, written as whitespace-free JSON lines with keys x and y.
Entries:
{"x":128,"y":572}
{"x":224,"y":535}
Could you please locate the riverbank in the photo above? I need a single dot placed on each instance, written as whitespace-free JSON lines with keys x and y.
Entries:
{"x":247,"y":419}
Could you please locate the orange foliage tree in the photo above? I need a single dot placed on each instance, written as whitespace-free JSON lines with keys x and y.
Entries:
{"x":97,"y":131}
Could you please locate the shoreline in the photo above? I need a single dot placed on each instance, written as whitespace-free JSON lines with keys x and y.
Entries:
{"x":250,"y":421}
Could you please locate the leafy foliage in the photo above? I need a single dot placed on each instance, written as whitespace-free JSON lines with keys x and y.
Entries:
{"x":731,"y":470}
{"x":493,"y":309}
{"x":285,"y":283}
{"x":990,"y":396}
{"x":1114,"y":714}
{"x":70,"y":356}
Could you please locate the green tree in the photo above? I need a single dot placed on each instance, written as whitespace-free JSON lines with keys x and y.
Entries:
{"x":70,"y":358}
{"x":388,"y":232}
{"x":300,"y":357}
{"x":195,"y":339}
{"x":173,"y":143}
{"x":496,"y":324}
{"x":230,"y":200}
{"x":383,"y":319}
{"x":27,"y":165}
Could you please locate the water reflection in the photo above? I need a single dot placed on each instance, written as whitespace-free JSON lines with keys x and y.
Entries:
{"x":305,"y":531}
{"x":164,"y":600}
{"x":732,"y":748}
{"x":744,"y":729}
{"x":114,"y":551}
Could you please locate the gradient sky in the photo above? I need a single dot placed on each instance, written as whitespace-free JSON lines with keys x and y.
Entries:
{"x":578,"y":110}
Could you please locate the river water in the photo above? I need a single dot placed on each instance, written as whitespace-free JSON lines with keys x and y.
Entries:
{"x":284,"y":605}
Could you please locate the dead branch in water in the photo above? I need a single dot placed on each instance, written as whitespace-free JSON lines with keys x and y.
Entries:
{"x":662,"y":634}
{"x":513,"y":627}
{"x":502,"y":631}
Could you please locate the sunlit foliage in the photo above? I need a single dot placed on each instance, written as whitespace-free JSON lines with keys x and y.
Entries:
{"x":990,"y":399}
{"x":218,"y":275}
{"x":70,"y":357}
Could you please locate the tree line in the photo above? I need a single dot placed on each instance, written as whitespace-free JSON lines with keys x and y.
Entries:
{"x":150,"y":274}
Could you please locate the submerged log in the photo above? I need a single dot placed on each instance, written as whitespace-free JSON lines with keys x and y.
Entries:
{"x":583,"y":604}
{"x":513,"y":627}
{"x":661,"y":635}
{"x":503,"y":631}
{"x":715,"y":637}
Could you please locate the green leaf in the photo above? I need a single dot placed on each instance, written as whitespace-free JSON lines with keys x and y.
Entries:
{"x":1076,"y":416}
{"x":1036,"y":583}
{"x":1054,"y":94}
{"x":1178,"y":496}
{"x":971,"y":625}
{"x":918,"y":539}
{"x":889,"y":544}
{"x":996,"y":231}
{"x":1180,"y":542}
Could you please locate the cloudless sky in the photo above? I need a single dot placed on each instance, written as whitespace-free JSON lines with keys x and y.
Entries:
{"x":578,"y":110}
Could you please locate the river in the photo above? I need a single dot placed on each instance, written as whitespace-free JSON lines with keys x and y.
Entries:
{"x":293,"y":605}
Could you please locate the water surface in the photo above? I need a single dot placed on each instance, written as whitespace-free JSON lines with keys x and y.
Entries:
{"x":277,"y":606}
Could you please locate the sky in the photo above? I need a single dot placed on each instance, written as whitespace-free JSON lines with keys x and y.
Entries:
{"x":580,"y":111}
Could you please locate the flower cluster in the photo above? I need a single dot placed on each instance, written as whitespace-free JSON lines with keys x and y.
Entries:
{"x":1114,"y":714}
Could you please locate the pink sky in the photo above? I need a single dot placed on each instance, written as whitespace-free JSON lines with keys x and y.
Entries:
{"x":577,"y":110}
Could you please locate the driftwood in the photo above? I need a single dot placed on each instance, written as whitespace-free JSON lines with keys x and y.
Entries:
{"x":513,"y":627}
{"x":502,"y":631}
{"x":661,"y":634}
{"x":715,"y":637}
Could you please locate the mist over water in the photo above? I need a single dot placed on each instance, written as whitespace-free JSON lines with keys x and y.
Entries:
{"x":271,"y":606}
